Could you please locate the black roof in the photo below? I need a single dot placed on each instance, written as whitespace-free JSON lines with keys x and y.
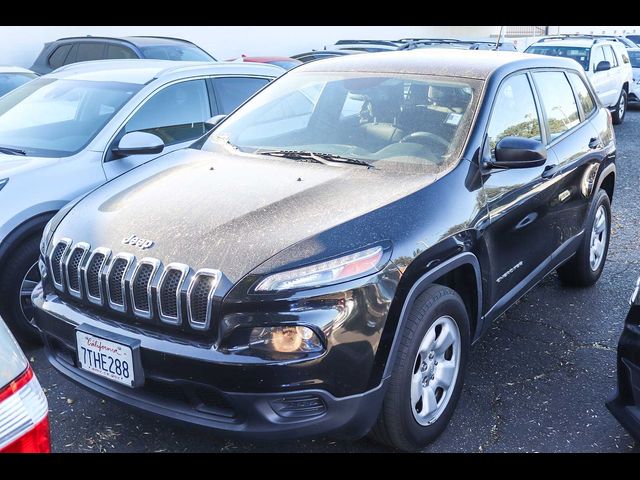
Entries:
{"x":478,"y":64}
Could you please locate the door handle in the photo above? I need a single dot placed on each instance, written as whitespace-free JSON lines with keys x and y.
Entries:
{"x":595,"y":143}
{"x":550,"y":171}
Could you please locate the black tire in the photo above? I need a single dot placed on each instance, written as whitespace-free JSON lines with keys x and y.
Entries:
{"x":396,"y":425}
{"x":20,"y":261}
{"x":578,"y":271}
{"x":618,"y":115}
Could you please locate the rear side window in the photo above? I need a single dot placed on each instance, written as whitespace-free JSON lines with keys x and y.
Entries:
{"x":176,"y":113}
{"x":232,"y":91}
{"x":90,"y":51}
{"x":584,"y":97}
{"x":514,"y":112}
{"x":558,"y":102}
{"x":59,"y":55}
{"x":119,"y":51}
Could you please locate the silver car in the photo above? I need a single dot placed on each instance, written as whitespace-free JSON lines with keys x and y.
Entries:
{"x":68,"y":132}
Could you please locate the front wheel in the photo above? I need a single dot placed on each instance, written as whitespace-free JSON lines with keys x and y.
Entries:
{"x":428,"y":373}
{"x":617,"y":116}
{"x":585,"y":267}
{"x":18,"y":278}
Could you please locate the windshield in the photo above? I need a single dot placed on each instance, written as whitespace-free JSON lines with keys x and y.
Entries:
{"x":177,"y":52}
{"x":10,"y":81}
{"x":52,"y":118}
{"x":579,"y":54}
{"x":393,"y":122}
{"x":635,"y":59}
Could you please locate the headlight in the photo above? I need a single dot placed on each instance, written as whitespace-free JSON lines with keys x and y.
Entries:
{"x":3,"y":182}
{"x":325,"y":273}
{"x":635,"y":296}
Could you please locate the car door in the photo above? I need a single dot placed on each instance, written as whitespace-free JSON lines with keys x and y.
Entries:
{"x":522,"y":232}
{"x":176,"y":113}
{"x":600,"y":80}
{"x":615,"y":73}
{"x":568,"y":107}
{"x":231,"y":92}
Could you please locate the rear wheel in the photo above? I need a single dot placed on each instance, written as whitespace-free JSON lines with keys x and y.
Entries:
{"x":621,"y":108}
{"x":585,"y":267}
{"x":18,"y":278}
{"x":428,"y":373}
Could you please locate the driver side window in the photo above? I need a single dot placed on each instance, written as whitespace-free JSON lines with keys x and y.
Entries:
{"x":176,"y":113}
{"x":514,"y":112}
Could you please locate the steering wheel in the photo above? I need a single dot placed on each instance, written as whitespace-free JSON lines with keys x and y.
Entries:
{"x":425,"y":138}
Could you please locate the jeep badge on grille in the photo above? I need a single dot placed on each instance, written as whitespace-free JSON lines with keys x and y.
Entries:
{"x":136,"y":241}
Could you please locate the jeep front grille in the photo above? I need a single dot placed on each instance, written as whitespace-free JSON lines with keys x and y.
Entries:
{"x":143,"y":288}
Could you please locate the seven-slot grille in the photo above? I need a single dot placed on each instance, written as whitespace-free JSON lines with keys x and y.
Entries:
{"x":144,"y":288}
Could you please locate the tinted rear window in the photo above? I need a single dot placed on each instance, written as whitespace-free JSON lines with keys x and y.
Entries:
{"x":184,"y":52}
{"x":579,"y":54}
{"x":58,"y":57}
{"x":635,"y":59}
{"x":90,"y":51}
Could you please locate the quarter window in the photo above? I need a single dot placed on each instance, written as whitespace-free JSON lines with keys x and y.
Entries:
{"x":514,"y":112}
{"x":584,"y":97}
{"x":58,"y":57}
{"x":558,"y":102}
{"x":176,"y":114}
{"x":233,"y":91}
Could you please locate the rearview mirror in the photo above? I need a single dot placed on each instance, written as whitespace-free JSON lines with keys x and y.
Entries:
{"x":519,"y":152}
{"x":603,"y":66}
{"x":138,"y":143}
{"x":213,"y":121}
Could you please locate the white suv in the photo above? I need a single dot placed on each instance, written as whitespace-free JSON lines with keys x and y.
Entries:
{"x":634,"y":91}
{"x":605,"y":61}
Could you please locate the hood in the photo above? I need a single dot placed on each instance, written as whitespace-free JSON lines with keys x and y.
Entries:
{"x":228,"y":211}
{"x":11,"y":165}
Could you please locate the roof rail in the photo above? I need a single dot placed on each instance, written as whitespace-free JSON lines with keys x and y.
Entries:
{"x":389,"y":43}
{"x":586,"y":36}
{"x":405,"y":40}
{"x":164,"y":38}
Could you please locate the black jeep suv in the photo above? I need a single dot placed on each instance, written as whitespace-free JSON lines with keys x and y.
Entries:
{"x":321,"y":262}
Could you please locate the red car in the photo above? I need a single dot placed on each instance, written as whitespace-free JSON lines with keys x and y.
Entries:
{"x":283,"y":62}
{"x":24,"y":423}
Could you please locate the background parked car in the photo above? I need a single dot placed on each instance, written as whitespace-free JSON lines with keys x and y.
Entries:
{"x":283,"y":62}
{"x":65,"y":51}
{"x":24,"y":412}
{"x":634,"y":90}
{"x":314,"y":55}
{"x":634,"y":38}
{"x":13,"y":77}
{"x":455,"y":43}
{"x":68,"y":132}
{"x":606,"y":62}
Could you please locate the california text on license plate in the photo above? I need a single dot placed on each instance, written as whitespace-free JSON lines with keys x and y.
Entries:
{"x":105,"y":358}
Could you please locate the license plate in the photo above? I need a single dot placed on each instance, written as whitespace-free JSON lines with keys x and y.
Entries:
{"x":105,"y":358}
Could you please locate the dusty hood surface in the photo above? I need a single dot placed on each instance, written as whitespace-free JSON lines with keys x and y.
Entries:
{"x":227,"y":211}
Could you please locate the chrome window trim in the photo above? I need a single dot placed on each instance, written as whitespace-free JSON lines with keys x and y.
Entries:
{"x":184,"y":271}
{"x":129,"y":259}
{"x":208,"y":272}
{"x":107,"y":255}
{"x":155,"y":264}
{"x":86,"y":248}
{"x":67,"y":242}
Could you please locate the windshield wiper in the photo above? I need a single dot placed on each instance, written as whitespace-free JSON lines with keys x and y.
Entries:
{"x":12,"y":151}
{"x":324,"y":158}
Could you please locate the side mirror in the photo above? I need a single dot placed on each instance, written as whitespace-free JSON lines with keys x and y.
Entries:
{"x":138,"y":143}
{"x":603,"y":66}
{"x":213,"y":121}
{"x":519,"y":152}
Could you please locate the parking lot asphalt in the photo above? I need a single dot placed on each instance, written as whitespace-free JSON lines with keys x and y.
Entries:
{"x":536,"y":382}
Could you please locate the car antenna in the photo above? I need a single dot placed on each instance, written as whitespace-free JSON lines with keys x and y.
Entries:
{"x":499,"y":37}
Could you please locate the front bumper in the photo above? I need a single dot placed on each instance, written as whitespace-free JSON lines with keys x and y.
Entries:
{"x":624,"y":404}
{"x":240,"y":396}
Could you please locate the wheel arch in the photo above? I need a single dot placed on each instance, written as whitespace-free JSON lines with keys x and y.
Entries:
{"x":26,"y":229}
{"x":607,"y":181}
{"x":453,"y":273}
